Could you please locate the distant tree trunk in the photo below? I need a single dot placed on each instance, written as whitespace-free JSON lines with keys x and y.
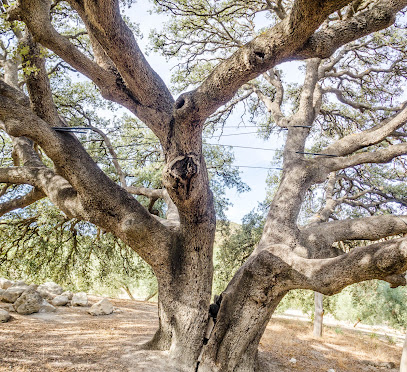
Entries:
{"x":403,"y":362}
{"x":127,"y":289}
{"x":318,"y":314}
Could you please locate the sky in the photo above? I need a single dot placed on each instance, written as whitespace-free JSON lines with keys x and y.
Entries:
{"x":254,"y":178}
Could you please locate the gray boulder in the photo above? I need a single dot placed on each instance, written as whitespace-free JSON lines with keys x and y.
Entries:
{"x":103,"y":307}
{"x":49,"y":290}
{"x":29,"y":302}
{"x":5,"y":283}
{"x":1,"y":292}
{"x":46,"y":307}
{"x":60,"y":300}
{"x":20,"y":283}
{"x":12,"y":294}
{"x":79,"y":299}
{"x":68,"y":294}
{"x":7,"y":307}
{"x":4,"y":316}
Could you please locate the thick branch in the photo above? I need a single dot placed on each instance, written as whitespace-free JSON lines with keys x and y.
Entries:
{"x":36,"y":15}
{"x":103,"y":202}
{"x":367,"y":228}
{"x":382,"y":260}
{"x":264,"y":52}
{"x":329,"y":38}
{"x":104,"y":22}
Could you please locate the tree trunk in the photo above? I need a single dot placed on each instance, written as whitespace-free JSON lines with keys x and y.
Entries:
{"x":403,"y":362}
{"x":127,"y":290}
{"x":184,"y":296}
{"x":233,"y":345}
{"x":318,"y":314}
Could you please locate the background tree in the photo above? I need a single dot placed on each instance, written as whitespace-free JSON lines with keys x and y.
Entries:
{"x":179,"y":247}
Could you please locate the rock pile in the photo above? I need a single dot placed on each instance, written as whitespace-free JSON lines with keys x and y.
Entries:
{"x":28,"y":299}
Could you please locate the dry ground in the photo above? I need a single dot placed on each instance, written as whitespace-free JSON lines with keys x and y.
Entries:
{"x":72,"y":340}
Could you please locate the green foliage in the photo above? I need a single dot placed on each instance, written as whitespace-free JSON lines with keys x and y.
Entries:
{"x":372,"y":302}
{"x":41,"y":244}
{"x":236,"y":248}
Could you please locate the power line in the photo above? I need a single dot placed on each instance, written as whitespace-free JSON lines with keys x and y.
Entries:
{"x":78,"y":130}
{"x":242,"y":147}
{"x":232,"y":165}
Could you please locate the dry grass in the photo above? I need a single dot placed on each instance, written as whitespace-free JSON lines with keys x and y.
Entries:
{"x":72,"y":340}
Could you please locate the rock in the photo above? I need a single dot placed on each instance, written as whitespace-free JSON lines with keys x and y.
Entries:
{"x":29,"y":302}
{"x":331,"y":370}
{"x":46,"y":307}
{"x":60,"y":300}
{"x":1,"y":292}
{"x":12,"y":294}
{"x":5,"y":283}
{"x":79,"y":299}
{"x":49,"y":290}
{"x":68,"y":294}
{"x":103,"y":307}
{"x":20,"y":283}
{"x":293,"y":360}
{"x":4,"y":316}
{"x":7,"y":307}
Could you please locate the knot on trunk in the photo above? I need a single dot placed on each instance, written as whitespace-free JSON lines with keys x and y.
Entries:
{"x":179,"y":173}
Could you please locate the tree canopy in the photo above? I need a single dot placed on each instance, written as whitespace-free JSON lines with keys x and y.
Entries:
{"x":342,"y":173}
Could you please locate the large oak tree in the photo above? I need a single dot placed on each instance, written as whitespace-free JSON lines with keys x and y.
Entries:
{"x":179,"y":248}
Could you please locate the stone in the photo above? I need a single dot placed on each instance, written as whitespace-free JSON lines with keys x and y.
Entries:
{"x":20,"y":283}
{"x":29,"y":302}
{"x":46,"y":307}
{"x":12,"y":294}
{"x":60,"y":300}
{"x":4,"y":316}
{"x":79,"y":299}
{"x":1,"y":292}
{"x":7,"y":307}
{"x":49,"y":290}
{"x":293,"y":360}
{"x":68,"y":294}
{"x":103,"y":307}
{"x":5,"y":283}
{"x":331,"y":370}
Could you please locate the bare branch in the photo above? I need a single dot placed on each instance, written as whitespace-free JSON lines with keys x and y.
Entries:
{"x":21,"y":202}
{"x":378,"y":156}
{"x":372,"y":136}
{"x":172,"y":212}
{"x":58,"y":190}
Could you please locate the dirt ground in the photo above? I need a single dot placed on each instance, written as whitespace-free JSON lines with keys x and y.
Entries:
{"x":72,"y":340}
